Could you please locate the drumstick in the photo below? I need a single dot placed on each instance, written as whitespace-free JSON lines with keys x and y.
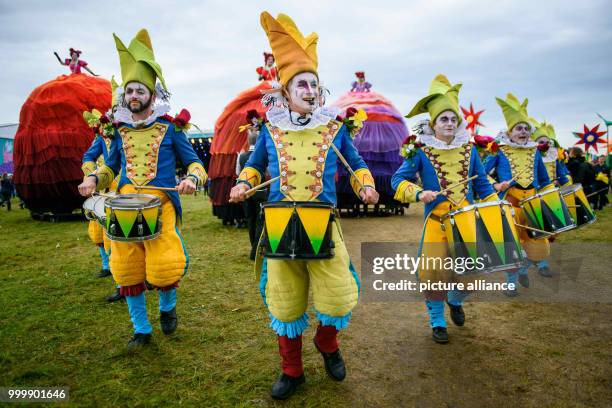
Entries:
{"x":455,"y":185}
{"x":348,"y":167}
{"x":156,"y":188}
{"x":597,"y":192}
{"x":516,"y":175}
{"x":262,"y":185}
{"x":533,"y":229}
{"x":102,"y":194}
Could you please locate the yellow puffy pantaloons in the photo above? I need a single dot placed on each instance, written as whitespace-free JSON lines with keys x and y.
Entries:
{"x":95,"y":232}
{"x":335,"y":290}
{"x":161,"y":261}
{"x":435,"y":247}
{"x":537,"y":249}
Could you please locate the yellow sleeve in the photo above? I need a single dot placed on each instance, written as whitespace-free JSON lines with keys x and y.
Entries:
{"x":250,"y":176}
{"x":365,"y":177}
{"x":196,"y":170}
{"x":105,"y":177}
{"x":88,"y":168}
{"x":407,"y":192}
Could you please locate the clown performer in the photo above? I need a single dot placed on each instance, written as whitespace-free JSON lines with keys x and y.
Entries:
{"x":268,"y":72}
{"x":443,"y":157}
{"x":144,"y":151}
{"x":74,"y":62}
{"x":360,"y":85}
{"x":520,"y":173}
{"x":296,"y":144}
{"x":552,"y":154}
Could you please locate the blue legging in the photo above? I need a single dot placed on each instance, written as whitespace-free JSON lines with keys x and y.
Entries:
{"x":137,"y":306}
{"x":104,"y":256}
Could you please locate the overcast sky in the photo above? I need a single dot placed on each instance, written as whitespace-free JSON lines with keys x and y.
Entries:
{"x":556,"y":53}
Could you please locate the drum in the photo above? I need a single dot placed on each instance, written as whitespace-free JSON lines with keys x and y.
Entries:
{"x":546,"y":211}
{"x":485,"y":233}
{"x":298,"y":230}
{"x":133,"y":217}
{"x":578,"y":205}
{"x":93,"y":208}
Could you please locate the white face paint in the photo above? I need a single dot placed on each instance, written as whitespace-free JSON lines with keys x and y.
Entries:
{"x":544,"y":140}
{"x":520,"y":133}
{"x":270,"y":61}
{"x":304,"y":93}
{"x":137,"y":97}
{"x":446,"y":125}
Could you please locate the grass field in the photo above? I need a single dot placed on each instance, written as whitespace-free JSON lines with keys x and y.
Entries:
{"x":56,"y":330}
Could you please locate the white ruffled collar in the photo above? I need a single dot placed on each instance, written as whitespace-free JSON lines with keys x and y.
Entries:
{"x":551,"y":155}
{"x":428,"y":137}
{"x":504,"y":139}
{"x":124,"y":115}
{"x":280,"y":117}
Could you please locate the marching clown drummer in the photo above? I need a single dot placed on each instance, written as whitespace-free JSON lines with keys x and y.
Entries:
{"x":442,"y":157}
{"x":552,"y":154}
{"x":521,"y":173}
{"x":298,"y":145}
{"x":143,"y":151}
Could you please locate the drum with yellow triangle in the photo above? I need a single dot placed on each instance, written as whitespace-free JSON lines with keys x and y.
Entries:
{"x":133,"y":217}
{"x":484,"y":233}
{"x":298,"y":230}
{"x":578,"y":204}
{"x":547,"y":211}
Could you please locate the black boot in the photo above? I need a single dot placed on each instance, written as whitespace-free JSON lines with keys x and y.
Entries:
{"x":169,"y":321}
{"x":334,"y":364}
{"x":440,"y":335}
{"x":286,"y":386}
{"x":139,"y":340}
{"x":524,"y":280}
{"x":103,"y":273}
{"x":117,"y":296}
{"x":457,"y":314}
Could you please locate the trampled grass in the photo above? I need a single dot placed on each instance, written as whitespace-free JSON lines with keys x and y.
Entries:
{"x":57,"y":330}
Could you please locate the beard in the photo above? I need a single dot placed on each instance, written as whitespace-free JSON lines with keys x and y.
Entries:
{"x":141,"y":106}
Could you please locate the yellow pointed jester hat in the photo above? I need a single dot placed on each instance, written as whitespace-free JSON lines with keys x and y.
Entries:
{"x":547,"y":130}
{"x":114,"y":86}
{"x":442,"y":97}
{"x":138,"y":61}
{"x":514,"y":111}
{"x":293,"y":52}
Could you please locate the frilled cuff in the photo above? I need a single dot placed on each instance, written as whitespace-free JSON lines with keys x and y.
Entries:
{"x":88,"y":168}
{"x":196,"y":171}
{"x":105,"y":177}
{"x":250,"y":176}
{"x":365,"y":177}
{"x":407,"y":192}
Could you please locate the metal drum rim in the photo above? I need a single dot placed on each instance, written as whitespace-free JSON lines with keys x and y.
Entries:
{"x":155,"y":202}
{"x":469,"y":207}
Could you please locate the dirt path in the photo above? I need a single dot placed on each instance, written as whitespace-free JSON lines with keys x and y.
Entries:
{"x":509,"y":353}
